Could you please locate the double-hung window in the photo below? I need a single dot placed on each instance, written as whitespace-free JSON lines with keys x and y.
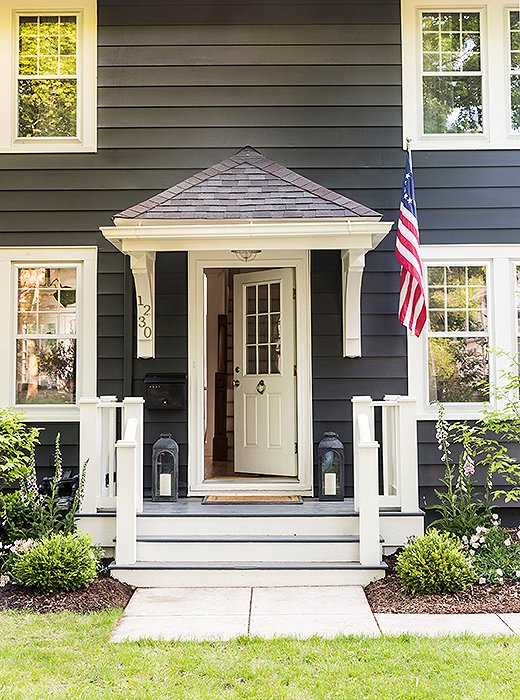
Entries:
{"x":48,"y":76}
{"x":461,"y":74}
{"x":473,"y":297}
{"x":49,"y":351}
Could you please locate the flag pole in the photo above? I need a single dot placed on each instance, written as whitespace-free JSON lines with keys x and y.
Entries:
{"x":409,"y":150}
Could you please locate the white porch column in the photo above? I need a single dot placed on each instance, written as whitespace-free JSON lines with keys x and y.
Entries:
{"x":407,"y":454}
{"x":368,"y":495}
{"x":360,"y":405}
{"x":133,"y":408}
{"x":126,"y":522}
{"x":90,"y":452}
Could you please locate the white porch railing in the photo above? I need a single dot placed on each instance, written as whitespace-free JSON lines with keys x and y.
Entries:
{"x":397,"y":488}
{"x":102,"y":420}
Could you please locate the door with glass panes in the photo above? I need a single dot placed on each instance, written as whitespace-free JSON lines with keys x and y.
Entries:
{"x":264,"y":373}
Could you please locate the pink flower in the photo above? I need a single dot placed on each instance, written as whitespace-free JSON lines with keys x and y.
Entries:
{"x":468,"y":466}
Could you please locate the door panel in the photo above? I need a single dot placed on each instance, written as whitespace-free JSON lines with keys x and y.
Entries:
{"x":264,"y":376}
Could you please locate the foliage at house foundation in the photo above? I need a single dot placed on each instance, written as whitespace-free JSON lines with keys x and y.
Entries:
{"x":435,"y":563}
{"x":17,"y":442}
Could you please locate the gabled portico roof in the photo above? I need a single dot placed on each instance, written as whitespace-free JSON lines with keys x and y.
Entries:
{"x":247,"y":203}
{"x":247,"y":186}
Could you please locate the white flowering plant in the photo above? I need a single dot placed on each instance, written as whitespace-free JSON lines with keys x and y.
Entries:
{"x":494,"y":553}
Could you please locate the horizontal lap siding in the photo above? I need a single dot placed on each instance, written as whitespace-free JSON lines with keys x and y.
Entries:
{"x":317,"y":87}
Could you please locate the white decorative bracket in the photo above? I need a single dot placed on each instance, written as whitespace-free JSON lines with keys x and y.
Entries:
{"x":352,"y":267}
{"x":143,"y":270}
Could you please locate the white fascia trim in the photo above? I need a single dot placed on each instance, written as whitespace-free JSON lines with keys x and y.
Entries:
{"x":273,"y":234}
{"x":501,"y":260}
{"x":86,"y":258}
{"x":87,"y":76}
{"x":495,"y":78}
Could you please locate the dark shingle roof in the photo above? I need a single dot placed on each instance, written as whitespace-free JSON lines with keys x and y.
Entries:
{"x":246,"y":186}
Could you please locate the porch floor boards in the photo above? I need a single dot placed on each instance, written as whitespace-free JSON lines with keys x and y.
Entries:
{"x":193,"y":507}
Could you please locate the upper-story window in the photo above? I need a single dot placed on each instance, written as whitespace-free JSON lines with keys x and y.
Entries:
{"x":461,"y":74}
{"x":48,"y":73}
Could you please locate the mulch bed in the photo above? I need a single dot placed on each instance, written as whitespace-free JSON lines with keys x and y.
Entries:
{"x":102,"y":594}
{"x":388,"y":596}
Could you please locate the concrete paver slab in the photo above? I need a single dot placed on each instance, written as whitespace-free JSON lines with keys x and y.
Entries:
{"x":320,"y":600}
{"x":305,"y":625}
{"x":434,"y":625}
{"x":179,"y":627}
{"x":189,"y":601}
{"x":512,"y":620}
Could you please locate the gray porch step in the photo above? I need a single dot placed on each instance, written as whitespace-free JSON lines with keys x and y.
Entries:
{"x":246,"y":547}
{"x":246,"y":573}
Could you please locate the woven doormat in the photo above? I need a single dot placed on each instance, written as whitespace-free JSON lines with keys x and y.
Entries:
{"x":244,"y":500}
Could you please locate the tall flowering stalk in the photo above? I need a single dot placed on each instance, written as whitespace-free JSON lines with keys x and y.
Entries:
{"x":461,"y":507}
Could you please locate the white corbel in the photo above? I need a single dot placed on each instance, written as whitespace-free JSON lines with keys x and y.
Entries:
{"x":143,"y":270}
{"x":352,"y":266}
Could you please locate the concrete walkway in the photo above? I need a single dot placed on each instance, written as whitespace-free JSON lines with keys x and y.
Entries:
{"x":326,"y":611}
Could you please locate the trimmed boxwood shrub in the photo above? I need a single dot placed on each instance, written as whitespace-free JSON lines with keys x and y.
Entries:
{"x":58,"y":562}
{"x":435,"y":563}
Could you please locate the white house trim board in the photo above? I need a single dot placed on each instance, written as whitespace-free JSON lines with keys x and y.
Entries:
{"x":86,"y":363}
{"x":354,"y":237}
{"x":197,"y":262}
{"x":86,"y":12}
{"x":500,"y":262}
{"x":143,"y":270}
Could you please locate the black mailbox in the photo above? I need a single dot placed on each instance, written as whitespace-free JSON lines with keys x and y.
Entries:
{"x":165,"y":391}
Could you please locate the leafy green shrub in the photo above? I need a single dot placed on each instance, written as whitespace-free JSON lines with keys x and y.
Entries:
{"x":494,"y":553}
{"x":17,"y":442}
{"x":16,"y":517}
{"x":56,"y":563}
{"x":435,"y":563}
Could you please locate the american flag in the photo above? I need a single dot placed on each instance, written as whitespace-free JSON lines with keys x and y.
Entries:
{"x":412,"y":300}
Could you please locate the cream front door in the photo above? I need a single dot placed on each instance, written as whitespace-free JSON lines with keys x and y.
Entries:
{"x":264,"y":373}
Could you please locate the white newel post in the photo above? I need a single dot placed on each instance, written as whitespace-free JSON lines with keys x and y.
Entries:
{"x":133,"y":408}
{"x":108,"y":410}
{"x":360,"y":405}
{"x":126,"y":522}
{"x":407,"y":452}
{"x":368,"y":495}
{"x":90,"y":449}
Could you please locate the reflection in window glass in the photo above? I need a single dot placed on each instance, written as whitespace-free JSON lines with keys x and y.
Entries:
{"x":452,"y":72}
{"x":262,"y":328}
{"x":47,"y":76}
{"x":514,"y":29}
{"x":46,"y":336}
{"x":458,"y":339}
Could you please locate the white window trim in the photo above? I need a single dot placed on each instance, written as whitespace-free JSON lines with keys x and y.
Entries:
{"x":87,"y":76}
{"x":501,"y":261}
{"x":86,"y":365}
{"x":495,"y":80}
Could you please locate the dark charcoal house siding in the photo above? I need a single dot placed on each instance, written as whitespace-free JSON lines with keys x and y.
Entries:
{"x":315,"y":86}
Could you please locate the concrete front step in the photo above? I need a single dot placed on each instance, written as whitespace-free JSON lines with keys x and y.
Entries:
{"x":238,"y":573}
{"x":248,"y":548}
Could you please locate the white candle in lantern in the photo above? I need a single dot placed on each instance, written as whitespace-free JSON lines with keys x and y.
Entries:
{"x":165,"y":485}
{"x":330,"y":485}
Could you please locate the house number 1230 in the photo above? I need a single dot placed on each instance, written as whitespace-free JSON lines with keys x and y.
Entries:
{"x":144,"y":318}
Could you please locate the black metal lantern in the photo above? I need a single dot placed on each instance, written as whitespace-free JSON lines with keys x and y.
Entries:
{"x":165,"y":469}
{"x":331,"y":464}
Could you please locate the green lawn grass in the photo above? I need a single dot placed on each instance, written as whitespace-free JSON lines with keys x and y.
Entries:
{"x":69,"y":656}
